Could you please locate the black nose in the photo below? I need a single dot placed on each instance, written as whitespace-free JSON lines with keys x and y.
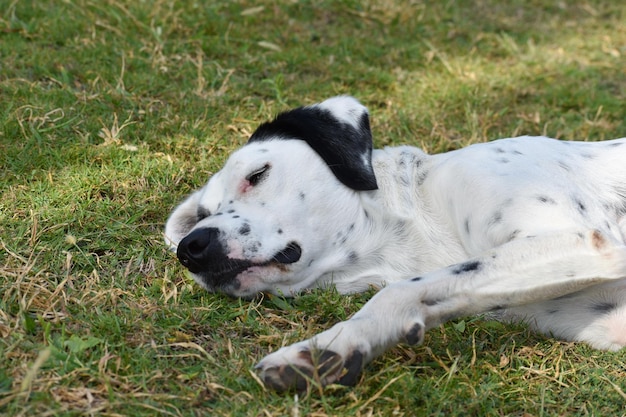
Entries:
{"x":199,"y":249}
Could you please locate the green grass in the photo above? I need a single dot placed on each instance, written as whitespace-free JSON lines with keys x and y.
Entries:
{"x":112,"y":111}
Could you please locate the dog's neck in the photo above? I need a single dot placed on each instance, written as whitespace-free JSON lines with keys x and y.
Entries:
{"x":399,"y":236}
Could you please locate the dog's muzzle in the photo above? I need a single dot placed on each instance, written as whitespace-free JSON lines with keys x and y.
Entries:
{"x":201,"y":252}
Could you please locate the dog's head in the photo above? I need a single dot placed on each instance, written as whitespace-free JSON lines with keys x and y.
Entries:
{"x":277,"y":215}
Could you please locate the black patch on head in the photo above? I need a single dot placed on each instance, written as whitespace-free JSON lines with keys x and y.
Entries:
{"x":466,"y":267}
{"x":342,"y":146}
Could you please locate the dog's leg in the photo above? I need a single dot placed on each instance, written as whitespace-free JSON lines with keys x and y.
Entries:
{"x":522,"y":271}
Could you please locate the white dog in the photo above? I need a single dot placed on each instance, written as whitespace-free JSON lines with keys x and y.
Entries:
{"x":531,"y":229}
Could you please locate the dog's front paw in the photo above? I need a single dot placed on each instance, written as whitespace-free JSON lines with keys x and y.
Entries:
{"x":312,"y":363}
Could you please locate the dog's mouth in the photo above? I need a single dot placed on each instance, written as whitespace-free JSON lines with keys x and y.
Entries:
{"x":289,"y":255}
{"x":222,"y":272}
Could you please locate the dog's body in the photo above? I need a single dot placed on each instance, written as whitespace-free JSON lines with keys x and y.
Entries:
{"x":531,"y":229}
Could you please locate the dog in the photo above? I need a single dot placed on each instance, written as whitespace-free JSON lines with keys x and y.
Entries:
{"x":529,"y":229}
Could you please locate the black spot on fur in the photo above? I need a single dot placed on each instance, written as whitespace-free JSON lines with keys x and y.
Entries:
{"x":203,"y":213}
{"x":415,"y":335}
{"x":231,"y":211}
{"x":254,"y":248}
{"x":565,"y":166}
{"x":603,"y":308}
{"x":430,"y":302}
{"x":280,"y":231}
{"x":353,"y":257}
{"x":503,"y":160}
{"x":301,"y":195}
{"x":467,"y":226}
{"x":416,"y":279}
{"x":352,"y":369}
{"x":514,"y":234}
{"x":499,"y":150}
{"x":421,"y":177}
{"x":469,"y":266}
{"x":580,"y":206}
{"x":495,"y":218}
{"x":545,"y":199}
{"x":244,"y":229}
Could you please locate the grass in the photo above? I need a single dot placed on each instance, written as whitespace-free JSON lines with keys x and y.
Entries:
{"x":112,"y":111}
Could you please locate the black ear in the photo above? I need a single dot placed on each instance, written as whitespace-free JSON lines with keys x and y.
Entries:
{"x":338,"y":129}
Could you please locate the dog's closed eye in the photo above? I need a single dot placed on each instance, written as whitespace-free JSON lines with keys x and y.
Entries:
{"x":255,"y":177}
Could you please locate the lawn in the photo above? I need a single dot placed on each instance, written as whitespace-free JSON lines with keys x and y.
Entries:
{"x":111,"y":111}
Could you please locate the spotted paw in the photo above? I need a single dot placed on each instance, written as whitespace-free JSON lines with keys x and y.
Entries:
{"x":299,"y":367}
